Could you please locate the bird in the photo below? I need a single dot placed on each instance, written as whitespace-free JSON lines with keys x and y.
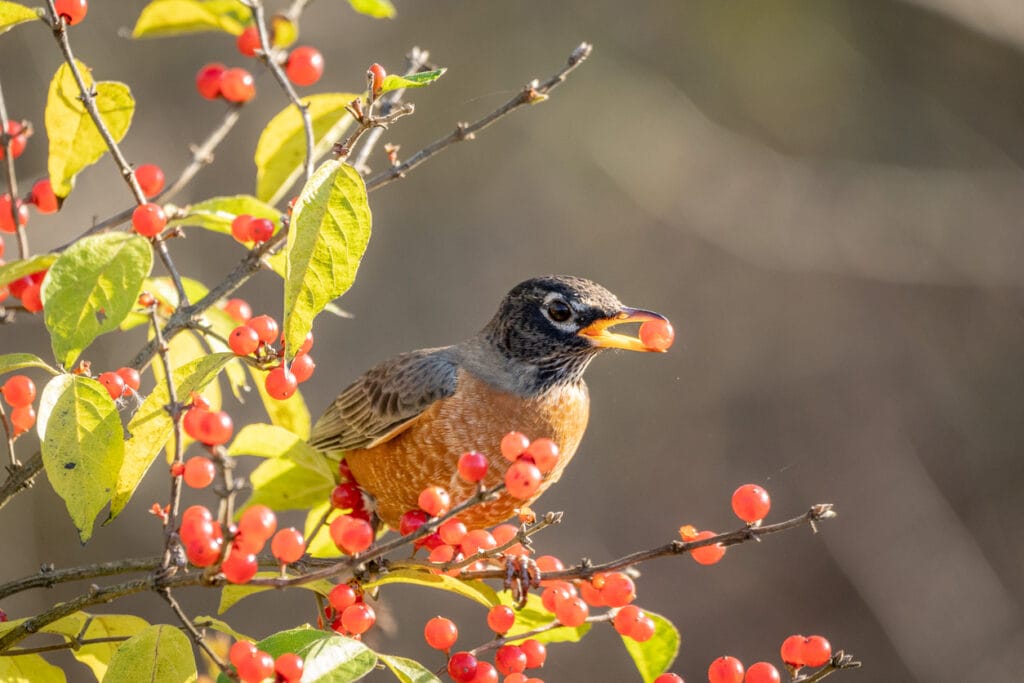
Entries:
{"x":403,"y":424}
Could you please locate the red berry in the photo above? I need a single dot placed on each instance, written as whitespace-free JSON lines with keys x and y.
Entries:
{"x":554,"y":594}
{"x":18,"y":139}
{"x":504,"y":533}
{"x":248,"y":41}
{"x":513,"y":445}
{"x":305,"y":66}
{"x":353,"y":536}
{"x":261,"y":230}
{"x":151,"y":179}
{"x":476,"y":540}
{"x":472,"y":466}
{"x":725,"y":670}
{"x":243,"y":340}
{"x":626,"y":619}
{"x":237,"y":85}
{"x":146,"y":299}
{"x":19,"y":390}
{"x":452,"y":531}
{"x":239,"y":567}
{"x":440,"y":633}
{"x":208,"y":80}
{"x":618,"y":590}
{"x":130,"y":377}
{"x":708,"y":554}
{"x":485,"y":673}
{"x":238,"y":309}
{"x":32,"y":299}
{"x":247,"y":543}
{"x":191,"y":421}
{"x":258,"y":521}
{"x":266,"y":327}
{"x":377,"y":74}
{"x":657,"y":335}
{"x":199,"y":472}
{"x":240,"y":228}
{"x":669,"y":678}
{"x":500,"y":619}
{"x":22,"y":419}
{"x":544,"y":453}
{"x":410,"y":521}
{"x":215,"y":428}
{"x":289,"y":667}
{"x":510,"y":659}
{"x":751,"y":503}
{"x":571,"y":612}
{"x":43,"y":197}
{"x":815,"y":651}
{"x":302,"y":367}
{"x":149,"y":219}
{"x":113,"y":383}
{"x":256,"y":668}
{"x":549,"y":563}
{"x":441,"y":554}
{"x":288,"y":545}
{"x":762,"y":672}
{"x":462,"y":667}
{"x":358,"y":618}
{"x":241,"y":650}
{"x":72,"y":11}
{"x":792,"y":651}
{"x":435,"y":501}
{"x":307,"y":344}
{"x":522,"y":479}
{"x":643,"y":629}
{"x":177,"y":469}
{"x":196,"y":527}
{"x":536,"y":653}
{"x":203,"y":551}
{"x":346,"y":496}
{"x":341,"y":596}
{"x":6,"y":219}
{"x":591,"y":594}
{"x":196,"y":513}
{"x":281,"y":384}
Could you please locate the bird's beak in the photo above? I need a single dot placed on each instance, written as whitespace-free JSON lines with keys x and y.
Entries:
{"x":599,"y":332}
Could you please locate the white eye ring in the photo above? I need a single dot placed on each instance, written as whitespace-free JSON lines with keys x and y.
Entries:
{"x":554,"y":307}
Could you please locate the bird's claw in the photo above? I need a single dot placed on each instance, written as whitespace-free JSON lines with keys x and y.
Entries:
{"x":521,"y":574}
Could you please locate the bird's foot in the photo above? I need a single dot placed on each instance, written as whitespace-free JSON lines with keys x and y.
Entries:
{"x":521,"y":574}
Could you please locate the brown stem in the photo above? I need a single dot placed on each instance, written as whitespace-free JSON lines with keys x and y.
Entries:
{"x":174,"y":408}
{"x":21,"y":478}
{"x":531,"y":94}
{"x":66,"y":645}
{"x":197,"y":637}
{"x":12,"y":179}
{"x":9,"y":439}
{"x":48,"y":577}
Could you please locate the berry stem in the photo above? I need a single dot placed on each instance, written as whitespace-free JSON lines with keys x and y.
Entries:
{"x":840,"y":662}
{"x":190,"y":627}
{"x":9,"y":438}
{"x":12,"y":179}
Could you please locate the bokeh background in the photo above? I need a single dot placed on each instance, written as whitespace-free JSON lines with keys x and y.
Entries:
{"x":826,"y":199}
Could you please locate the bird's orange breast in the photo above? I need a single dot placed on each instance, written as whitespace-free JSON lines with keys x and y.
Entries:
{"x":475,"y":417}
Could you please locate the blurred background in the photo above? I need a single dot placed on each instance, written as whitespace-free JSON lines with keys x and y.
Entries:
{"x":824,"y":197}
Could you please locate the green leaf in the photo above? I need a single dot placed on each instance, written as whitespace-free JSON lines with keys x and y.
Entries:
{"x":161,"y":654}
{"x":29,"y":669}
{"x":69,"y":626}
{"x":267,"y":441}
{"x":216,"y":624}
{"x":19,"y":269}
{"x":408,"y":670}
{"x":533,"y":616}
{"x":90,"y":289}
{"x":378,"y":9}
{"x":151,"y":427}
{"x":294,"y":476}
{"x":328,"y":657}
{"x":183,"y":348}
{"x":281,"y":150}
{"x":97,"y":657}
{"x":653,"y":657}
{"x":231,"y":593}
{"x":12,"y":14}
{"x":75,"y":142}
{"x":82,"y":446}
{"x":291,"y":413}
{"x":162,"y":18}
{"x":417,"y":80}
{"x":474,"y":590}
{"x":216,"y":214}
{"x":9,"y":362}
{"x":326,"y":240}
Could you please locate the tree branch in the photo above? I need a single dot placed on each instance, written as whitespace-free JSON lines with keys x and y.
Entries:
{"x":49,"y":577}
{"x":531,"y":94}
{"x":21,"y":478}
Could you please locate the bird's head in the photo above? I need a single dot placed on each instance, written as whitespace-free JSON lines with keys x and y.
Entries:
{"x":558,"y":323}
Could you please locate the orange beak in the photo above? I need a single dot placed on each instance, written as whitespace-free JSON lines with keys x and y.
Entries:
{"x":599,"y":332}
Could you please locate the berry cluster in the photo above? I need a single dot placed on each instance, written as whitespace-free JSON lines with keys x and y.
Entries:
{"x":253,"y":665}
{"x":750,"y":502}
{"x":19,"y":391}
{"x":122,"y":382}
{"x":235,"y":84}
{"x":347,"y":613}
{"x":27,"y":288}
{"x":209,"y":427}
{"x":247,"y":229}
{"x":509,"y":660}
{"x":256,"y":335}
{"x":530,"y":462}
{"x":797,"y":651}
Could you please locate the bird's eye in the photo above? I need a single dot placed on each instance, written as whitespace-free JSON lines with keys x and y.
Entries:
{"x":559,"y":311}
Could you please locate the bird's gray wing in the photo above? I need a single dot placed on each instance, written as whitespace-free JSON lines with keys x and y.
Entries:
{"x":386,"y":400}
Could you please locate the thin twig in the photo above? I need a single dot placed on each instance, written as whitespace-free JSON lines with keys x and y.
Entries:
{"x":531,"y":94}
{"x":47,"y":577}
{"x":295,"y":10}
{"x":21,"y":478}
{"x":9,"y":439}
{"x":174,"y":408}
{"x":66,"y":645}
{"x":268,"y":56}
{"x":197,"y":637}
{"x":12,"y":179}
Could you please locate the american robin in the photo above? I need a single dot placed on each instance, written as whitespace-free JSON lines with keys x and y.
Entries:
{"x":403,"y":425}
